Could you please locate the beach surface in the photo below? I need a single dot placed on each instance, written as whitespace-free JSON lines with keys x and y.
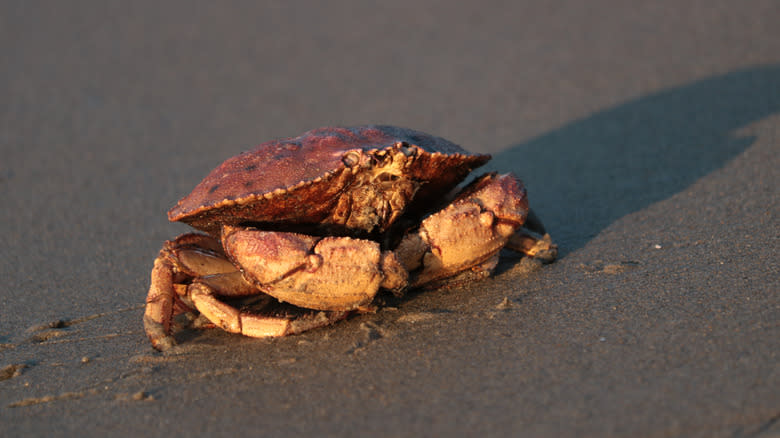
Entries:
{"x":647,"y":134}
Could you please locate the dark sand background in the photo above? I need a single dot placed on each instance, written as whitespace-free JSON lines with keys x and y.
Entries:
{"x":647,"y":134}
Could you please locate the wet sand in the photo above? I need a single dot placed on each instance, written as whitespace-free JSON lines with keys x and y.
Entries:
{"x":647,"y":136}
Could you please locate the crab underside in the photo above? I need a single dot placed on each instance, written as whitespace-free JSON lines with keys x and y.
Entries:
{"x":274,"y":278}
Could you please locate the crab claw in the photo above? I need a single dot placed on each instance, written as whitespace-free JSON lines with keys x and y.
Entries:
{"x":159,"y":305}
{"x":193,"y":275}
{"x":466,"y":236}
{"x":330,"y":273}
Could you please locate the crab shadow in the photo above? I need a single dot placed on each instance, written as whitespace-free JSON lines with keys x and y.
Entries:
{"x":590,"y":173}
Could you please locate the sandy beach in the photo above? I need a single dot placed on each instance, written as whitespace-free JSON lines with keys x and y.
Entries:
{"x":647,"y":134}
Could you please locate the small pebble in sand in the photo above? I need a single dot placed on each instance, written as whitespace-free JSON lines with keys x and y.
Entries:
{"x":13,"y":370}
{"x":504,"y":304}
{"x":142,"y":395}
{"x":136,"y":396}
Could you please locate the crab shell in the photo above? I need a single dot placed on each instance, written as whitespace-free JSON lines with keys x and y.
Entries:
{"x":345,"y":180}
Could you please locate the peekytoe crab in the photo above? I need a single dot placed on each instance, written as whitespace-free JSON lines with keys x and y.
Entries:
{"x":311,"y":228}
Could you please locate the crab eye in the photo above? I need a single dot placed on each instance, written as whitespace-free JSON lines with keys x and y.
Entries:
{"x":405,"y":148}
{"x":351,"y":158}
{"x":384,"y":176}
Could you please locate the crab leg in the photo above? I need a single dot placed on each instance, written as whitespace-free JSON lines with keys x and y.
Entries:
{"x":159,"y":305}
{"x":179,"y":261}
{"x":532,"y":240}
{"x":258,"y":325}
{"x":533,"y":245}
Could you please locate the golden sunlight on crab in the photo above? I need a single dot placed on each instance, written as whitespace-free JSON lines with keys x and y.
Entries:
{"x":290,"y":247}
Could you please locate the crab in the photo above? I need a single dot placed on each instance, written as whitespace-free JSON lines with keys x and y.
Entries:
{"x":301,"y":232}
